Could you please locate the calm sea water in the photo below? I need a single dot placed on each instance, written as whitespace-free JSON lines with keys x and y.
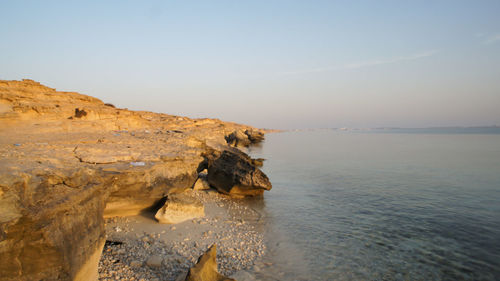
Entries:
{"x":381,"y":206}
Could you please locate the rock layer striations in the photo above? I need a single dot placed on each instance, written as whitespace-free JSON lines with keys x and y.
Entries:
{"x":67,"y":160}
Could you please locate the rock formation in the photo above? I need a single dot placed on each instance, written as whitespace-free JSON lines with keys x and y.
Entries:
{"x":240,"y":138}
{"x":67,"y":160}
{"x":234,"y":173}
{"x":205,"y":268}
{"x":179,"y":208}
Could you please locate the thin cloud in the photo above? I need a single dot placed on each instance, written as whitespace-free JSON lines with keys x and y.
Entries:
{"x":492,"y":38}
{"x":368,"y":63}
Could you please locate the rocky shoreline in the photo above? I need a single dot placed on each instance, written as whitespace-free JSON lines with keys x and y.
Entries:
{"x":139,"y":248}
{"x":69,"y":162}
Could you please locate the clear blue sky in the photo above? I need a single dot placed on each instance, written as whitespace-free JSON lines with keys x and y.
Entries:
{"x":274,"y":64}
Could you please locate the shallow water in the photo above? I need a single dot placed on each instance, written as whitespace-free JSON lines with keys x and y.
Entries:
{"x":381,"y":206}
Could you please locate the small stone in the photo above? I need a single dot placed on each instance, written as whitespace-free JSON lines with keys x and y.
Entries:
{"x":154,"y":261}
{"x":135,"y":263}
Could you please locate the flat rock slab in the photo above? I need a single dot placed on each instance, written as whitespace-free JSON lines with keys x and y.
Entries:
{"x":179,"y":208}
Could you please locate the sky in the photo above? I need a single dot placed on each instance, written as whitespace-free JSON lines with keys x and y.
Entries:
{"x":271,"y":64}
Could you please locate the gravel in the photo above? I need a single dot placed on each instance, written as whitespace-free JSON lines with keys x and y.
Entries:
{"x":146,"y":250}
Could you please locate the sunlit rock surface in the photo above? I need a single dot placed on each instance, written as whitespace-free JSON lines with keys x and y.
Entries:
{"x":67,"y":160}
{"x":179,"y":208}
{"x":206,"y":268}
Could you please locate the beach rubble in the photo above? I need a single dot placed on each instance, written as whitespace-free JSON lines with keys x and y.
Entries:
{"x":229,"y":224}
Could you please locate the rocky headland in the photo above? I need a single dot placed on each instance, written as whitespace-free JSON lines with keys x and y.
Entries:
{"x":69,"y":162}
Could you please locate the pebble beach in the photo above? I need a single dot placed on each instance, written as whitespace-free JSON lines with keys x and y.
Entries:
{"x":140,"y":248}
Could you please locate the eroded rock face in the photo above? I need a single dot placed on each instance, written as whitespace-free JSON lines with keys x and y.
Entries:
{"x":67,"y":160}
{"x":205,"y":268}
{"x":50,"y":230}
{"x":233,"y":173}
{"x":179,"y":208}
{"x":135,"y":189}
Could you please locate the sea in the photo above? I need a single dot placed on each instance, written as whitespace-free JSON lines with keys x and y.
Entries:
{"x":386,"y":204}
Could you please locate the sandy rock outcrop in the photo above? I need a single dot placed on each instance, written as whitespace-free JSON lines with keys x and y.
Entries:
{"x":205,"y":268}
{"x":52,"y":226}
{"x":179,"y":208}
{"x":68,"y":160}
{"x":234,"y":173}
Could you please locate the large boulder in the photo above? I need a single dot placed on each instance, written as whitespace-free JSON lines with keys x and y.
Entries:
{"x":255,"y":136}
{"x":238,"y":139}
{"x":206,"y":268}
{"x":179,"y":208}
{"x":234,"y":173}
{"x":244,"y":138}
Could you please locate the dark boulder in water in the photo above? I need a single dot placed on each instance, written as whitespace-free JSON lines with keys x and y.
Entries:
{"x":234,"y":173}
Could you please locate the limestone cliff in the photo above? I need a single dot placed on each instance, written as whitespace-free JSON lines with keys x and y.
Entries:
{"x":67,"y":160}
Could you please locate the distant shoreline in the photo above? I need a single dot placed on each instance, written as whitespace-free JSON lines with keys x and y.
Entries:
{"x":424,"y":130}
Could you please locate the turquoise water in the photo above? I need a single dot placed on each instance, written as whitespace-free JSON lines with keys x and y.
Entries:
{"x":381,"y":206}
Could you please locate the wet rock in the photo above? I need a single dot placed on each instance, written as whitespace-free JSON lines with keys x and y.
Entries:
{"x":233,"y":173}
{"x":179,"y":208}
